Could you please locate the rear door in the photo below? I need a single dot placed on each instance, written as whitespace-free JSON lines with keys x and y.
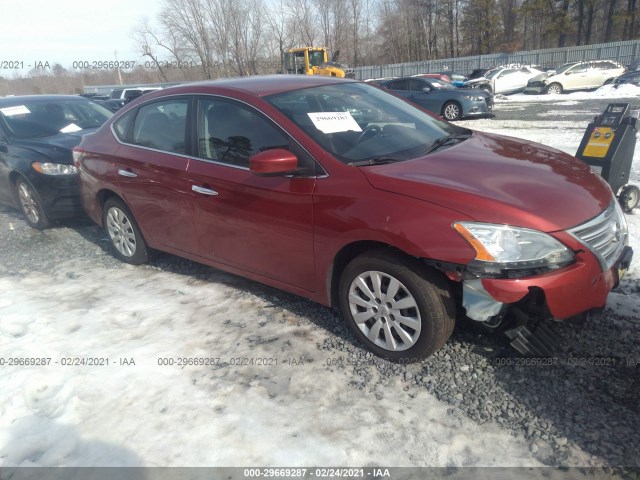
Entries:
{"x":150,"y":171}
{"x":262,"y":225}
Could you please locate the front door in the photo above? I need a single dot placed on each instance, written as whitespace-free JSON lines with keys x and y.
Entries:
{"x":262,"y":225}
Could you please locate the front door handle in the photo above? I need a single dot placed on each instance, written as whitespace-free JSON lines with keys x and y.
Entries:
{"x":203,"y":190}
{"x":126,"y":173}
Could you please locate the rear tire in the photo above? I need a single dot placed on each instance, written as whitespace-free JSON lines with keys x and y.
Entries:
{"x":30,"y":205}
{"x":397,"y":308}
{"x":124,"y":234}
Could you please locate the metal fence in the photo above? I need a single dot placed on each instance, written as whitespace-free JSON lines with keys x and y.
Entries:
{"x":623,"y":52}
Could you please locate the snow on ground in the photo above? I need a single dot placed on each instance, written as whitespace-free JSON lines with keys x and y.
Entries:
{"x":625,"y":90}
{"x":292,"y":413}
{"x":295,"y":408}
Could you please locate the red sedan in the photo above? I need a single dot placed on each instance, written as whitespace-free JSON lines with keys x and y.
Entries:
{"x":340,"y":192}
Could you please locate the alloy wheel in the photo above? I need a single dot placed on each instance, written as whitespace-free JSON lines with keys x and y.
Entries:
{"x":384,"y":310}
{"x":121,"y":232}
{"x":28,"y":202}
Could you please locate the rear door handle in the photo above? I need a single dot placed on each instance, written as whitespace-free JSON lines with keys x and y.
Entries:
{"x":126,"y":173}
{"x":203,"y":190}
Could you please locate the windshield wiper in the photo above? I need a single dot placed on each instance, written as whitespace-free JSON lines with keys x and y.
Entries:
{"x":374,"y":161}
{"x":442,"y":141}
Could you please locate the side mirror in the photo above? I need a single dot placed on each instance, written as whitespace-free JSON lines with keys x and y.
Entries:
{"x":426,"y":89}
{"x":272,"y":163}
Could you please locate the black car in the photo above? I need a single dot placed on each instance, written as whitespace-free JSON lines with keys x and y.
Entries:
{"x":111,"y":104}
{"x":629,"y":77}
{"x":37,"y":134}
{"x":441,"y":97}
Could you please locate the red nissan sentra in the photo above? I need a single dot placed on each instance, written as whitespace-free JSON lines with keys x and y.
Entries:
{"x":340,"y":192}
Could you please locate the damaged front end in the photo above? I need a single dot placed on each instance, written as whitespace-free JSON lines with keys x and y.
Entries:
{"x":537,"y":275}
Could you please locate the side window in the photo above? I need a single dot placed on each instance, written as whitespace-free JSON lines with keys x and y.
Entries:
{"x":230,"y":132}
{"x":121,"y":126}
{"x":417,"y":85}
{"x":162,"y":125}
{"x":399,"y":85}
{"x":580,"y":68}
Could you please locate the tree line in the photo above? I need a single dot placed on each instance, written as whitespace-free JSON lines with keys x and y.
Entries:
{"x":205,"y":39}
{"x":244,"y":37}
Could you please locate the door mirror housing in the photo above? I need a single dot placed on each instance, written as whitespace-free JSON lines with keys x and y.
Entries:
{"x":273,"y":163}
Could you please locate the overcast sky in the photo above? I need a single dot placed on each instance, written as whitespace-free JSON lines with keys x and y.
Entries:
{"x":69,"y":30}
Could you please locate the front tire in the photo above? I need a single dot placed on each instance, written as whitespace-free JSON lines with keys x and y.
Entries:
{"x":30,"y":205}
{"x":554,"y":89}
{"x":122,"y":229}
{"x":451,"y":111}
{"x":397,"y":308}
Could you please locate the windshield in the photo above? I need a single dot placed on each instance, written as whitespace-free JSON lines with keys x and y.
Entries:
{"x":565,"y":67}
{"x":356,"y":122}
{"x":38,"y":118}
{"x":492,"y":73}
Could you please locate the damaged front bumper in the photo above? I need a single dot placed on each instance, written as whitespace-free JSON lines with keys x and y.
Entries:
{"x":580,"y":287}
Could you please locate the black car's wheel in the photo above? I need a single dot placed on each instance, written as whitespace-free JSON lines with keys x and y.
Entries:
{"x":125,"y":236}
{"x":554,"y":89}
{"x":400,"y":310}
{"x":629,"y":198}
{"x":30,"y":204}
{"x":451,"y":111}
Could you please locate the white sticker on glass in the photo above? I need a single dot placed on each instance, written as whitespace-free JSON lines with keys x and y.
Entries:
{"x":17,"y":110}
{"x":72,"y":127}
{"x":334,"y":122}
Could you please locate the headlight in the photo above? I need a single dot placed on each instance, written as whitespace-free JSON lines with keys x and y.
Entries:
{"x":511,"y":252}
{"x":54,"y":168}
{"x":474,"y":98}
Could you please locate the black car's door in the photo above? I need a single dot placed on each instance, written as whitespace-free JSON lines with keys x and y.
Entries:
{"x":5,"y":187}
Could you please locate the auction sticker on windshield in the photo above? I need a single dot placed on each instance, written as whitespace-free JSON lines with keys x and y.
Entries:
{"x":17,"y":110}
{"x":334,"y":122}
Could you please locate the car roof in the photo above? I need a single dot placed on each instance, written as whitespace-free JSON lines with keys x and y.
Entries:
{"x":20,"y":99}
{"x":259,"y":85}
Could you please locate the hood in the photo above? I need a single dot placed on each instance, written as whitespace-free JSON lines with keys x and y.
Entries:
{"x":55,"y":147}
{"x":498,"y":179}
{"x":477,"y":81}
{"x":542,"y":76}
{"x":470,"y":91}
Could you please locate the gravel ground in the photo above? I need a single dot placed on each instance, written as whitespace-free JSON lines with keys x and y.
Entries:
{"x":558,"y":408}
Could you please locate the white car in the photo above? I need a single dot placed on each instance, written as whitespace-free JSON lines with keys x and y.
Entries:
{"x":505,"y":80}
{"x":576,"y":76}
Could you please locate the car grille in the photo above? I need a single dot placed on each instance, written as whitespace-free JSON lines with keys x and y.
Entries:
{"x":535,"y":84}
{"x":605,"y":235}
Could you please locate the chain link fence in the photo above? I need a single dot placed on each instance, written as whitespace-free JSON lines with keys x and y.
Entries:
{"x":623,"y":52}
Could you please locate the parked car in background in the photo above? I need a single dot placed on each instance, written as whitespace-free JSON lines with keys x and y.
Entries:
{"x":340,"y":192}
{"x":111,"y":104}
{"x":37,"y":134}
{"x":632,"y":77}
{"x":479,"y":72}
{"x":442,"y":98}
{"x":575,"y":76}
{"x":504,"y":80}
{"x":438,"y":76}
{"x":129,"y":94}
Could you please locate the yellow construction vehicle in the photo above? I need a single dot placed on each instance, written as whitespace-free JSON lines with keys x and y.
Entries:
{"x":313,"y":61}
